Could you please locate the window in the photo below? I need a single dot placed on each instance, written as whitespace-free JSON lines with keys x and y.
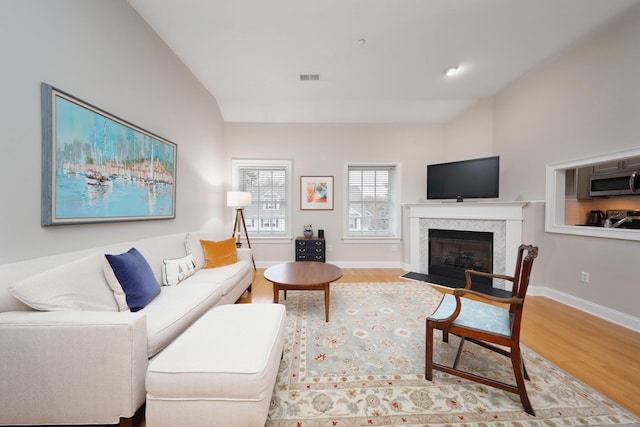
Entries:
{"x":269,"y":182}
{"x":372,"y":200}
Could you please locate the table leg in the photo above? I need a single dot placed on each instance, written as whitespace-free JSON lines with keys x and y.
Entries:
{"x":276,"y":290}
{"x":327,"y":298}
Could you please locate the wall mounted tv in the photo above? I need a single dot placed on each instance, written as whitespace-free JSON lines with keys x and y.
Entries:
{"x":475,"y":178}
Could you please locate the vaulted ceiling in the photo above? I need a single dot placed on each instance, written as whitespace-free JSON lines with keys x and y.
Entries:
{"x":367,"y":61}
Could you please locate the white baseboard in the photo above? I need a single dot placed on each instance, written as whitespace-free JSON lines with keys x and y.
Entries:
{"x":606,"y":313}
{"x":344,"y":264}
{"x":367,"y":264}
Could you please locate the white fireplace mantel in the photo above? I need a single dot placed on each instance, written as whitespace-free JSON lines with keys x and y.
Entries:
{"x":508,"y":216}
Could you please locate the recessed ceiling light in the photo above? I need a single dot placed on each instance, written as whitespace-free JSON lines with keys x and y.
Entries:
{"x":452,"y":71}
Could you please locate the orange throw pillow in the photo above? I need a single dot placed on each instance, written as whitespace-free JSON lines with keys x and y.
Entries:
{"x":217,"y":254}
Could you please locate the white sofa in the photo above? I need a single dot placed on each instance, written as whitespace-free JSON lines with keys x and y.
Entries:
{"x":76,"y":358}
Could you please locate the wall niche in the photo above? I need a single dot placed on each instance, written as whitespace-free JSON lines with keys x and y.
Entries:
{"x":568,"y":198}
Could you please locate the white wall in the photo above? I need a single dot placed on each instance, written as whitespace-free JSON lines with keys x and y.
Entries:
{"x":581,"y":103}
{"x":322,"y":149}
{"x":471,"y":134}
{"x":584,"y":102}
{"x":102,"y":52}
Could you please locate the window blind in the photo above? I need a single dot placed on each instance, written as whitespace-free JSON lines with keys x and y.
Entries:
{"x":371,"y":202}
{"x":268,"y":213}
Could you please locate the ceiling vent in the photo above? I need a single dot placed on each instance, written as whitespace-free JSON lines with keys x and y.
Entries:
{"x":309,"y":76}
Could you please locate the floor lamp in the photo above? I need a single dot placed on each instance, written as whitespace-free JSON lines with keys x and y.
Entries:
{"x":238,"y":200}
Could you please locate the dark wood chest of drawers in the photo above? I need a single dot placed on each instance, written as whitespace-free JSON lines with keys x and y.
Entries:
{"x":310,"y":249}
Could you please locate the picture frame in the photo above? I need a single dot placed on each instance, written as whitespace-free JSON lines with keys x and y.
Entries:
{"x":97,"y":167}
{"x":316,"y":193}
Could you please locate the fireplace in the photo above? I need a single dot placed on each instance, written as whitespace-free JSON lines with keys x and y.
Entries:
{"x":451,"y":252}
{"x":503,"y":219}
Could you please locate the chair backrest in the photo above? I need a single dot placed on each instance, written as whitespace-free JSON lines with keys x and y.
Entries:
{"x":526,"y":255}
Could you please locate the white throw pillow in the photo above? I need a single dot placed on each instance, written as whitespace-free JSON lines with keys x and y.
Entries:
{"x":177,"y":269}
{"x":74,"y":286}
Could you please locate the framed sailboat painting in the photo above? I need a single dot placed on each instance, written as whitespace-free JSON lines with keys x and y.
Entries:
{"x":97,"y":167}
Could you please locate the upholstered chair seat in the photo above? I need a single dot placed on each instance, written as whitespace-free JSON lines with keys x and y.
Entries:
{"x":476,"y":314}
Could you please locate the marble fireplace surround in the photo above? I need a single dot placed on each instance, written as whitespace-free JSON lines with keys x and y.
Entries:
{"x":503,"y":219}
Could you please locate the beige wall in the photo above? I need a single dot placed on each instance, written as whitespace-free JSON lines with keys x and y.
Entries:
{"x":102,"y":52}
{"x":582,"y":103}
{"x":322,"y":150}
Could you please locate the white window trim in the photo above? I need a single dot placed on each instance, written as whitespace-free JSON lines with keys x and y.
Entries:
{"x":370,"y":240}
{"x":236,"y":164}
{"x":397,"y":229}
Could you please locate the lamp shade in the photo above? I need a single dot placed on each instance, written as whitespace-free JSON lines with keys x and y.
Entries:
{"x":238,"y":199}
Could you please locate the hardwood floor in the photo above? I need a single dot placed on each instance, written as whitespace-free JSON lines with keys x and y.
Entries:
{"x":598,"y":353}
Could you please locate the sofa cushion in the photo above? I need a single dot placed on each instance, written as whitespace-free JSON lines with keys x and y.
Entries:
{"x":157,"y":249}
{"x":176,"y":308}
{"x":193,"y":246}
{"x":74,"y":286}
{"x":227,"y":276}
{"x":231,"y":355}
{"x":218,"y":254}
{"x":176,"y":270}
{"x":136,"y":278}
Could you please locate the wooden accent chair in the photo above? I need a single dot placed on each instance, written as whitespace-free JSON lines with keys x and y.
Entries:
{"x":485,"y":324}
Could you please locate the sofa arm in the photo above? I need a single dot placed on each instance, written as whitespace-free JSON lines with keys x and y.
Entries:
{"x":71,"y":367}
{"x":244,"y":254}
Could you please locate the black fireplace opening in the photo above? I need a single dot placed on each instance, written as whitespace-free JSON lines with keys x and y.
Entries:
{"x":451,"y":252}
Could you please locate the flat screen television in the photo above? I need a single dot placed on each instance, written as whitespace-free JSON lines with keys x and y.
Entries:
{"x":475,"y":178}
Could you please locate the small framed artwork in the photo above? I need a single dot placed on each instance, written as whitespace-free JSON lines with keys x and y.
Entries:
{"x":97,"y":167}
{"x":316,"y":193}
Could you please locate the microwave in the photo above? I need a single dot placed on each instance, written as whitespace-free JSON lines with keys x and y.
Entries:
{"x":618,"y":184}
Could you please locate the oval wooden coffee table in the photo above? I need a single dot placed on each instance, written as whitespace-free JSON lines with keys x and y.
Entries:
{"x":303,"y":276}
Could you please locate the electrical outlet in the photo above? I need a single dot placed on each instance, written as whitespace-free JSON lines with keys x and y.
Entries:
{"x":329,"y":248}
{"x":585,"y":277}
{"x":394,"y":248}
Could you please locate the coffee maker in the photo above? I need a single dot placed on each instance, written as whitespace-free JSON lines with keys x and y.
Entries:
{"x":595,"y":219}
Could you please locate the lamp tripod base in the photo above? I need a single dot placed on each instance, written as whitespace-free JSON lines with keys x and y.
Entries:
{"x":236,"y":233}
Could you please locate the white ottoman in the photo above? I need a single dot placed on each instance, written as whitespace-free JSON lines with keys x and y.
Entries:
{"x":219,"y":372}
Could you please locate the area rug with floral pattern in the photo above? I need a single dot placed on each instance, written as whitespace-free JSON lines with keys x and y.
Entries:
{"x":365,"y":367}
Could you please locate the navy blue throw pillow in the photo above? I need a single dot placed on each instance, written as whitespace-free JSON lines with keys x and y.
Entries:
{"x":136,"y":278}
